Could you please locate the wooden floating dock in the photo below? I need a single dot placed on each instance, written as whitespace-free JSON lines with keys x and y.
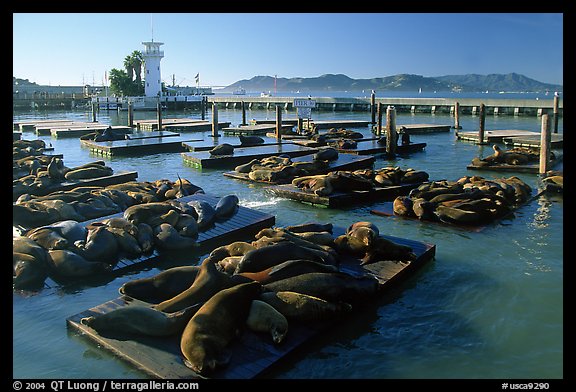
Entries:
{"x":252,"y":353}
{"x":533,"y":168}
{"x":23,"y":126}
{"x":412,"y":129}
{"x":203,"y":159}
{"x":152,"y":125}
{"x":496,"y":135}
{"x":259,"y":129}
{"x":203,"y":126}
{"x":46,"y":128}
{"x":342,"y":199}
{"x":344,"y":162}
{"x":325,"y":124}
{"x":192,"y":148}
{"x":116,"y":178}
{"x":533,"y":141}
{"x":373,"y":148}
{"x":150,"y":145}
{"x":77,"y":131}
{"x":245,"y":223}
{"x":289,"y":121}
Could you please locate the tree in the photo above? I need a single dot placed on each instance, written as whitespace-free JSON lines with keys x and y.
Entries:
{"x":122,"y":82}
{"x":137,"y":61}
{"x":129,"y":66}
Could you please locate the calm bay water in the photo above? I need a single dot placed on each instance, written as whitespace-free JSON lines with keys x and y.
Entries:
{"x":489,"y":305}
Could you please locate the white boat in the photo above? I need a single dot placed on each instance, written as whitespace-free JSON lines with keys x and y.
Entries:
{"x":239,"y":91}
{"x":263,"y":94}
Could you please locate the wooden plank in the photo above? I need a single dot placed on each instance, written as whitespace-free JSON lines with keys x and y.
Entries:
{"x":412,"y":129}
{"x":533,"y":141}
{"x":533,"y":168}
{"x":325,"y":124}
{"x":344,"y":162}
{"x":342,"y":199}
{"x":289,"y":121}
{"x":194,"y":127}
{"x":85,"y":130}
{"x":203,"y":159}
{"x":211,"y":146}
{"x":116,"y":178}
{"x":252,"y":353}
{"x":495,"y":135}
{"x":137,"y":146}
{"x":377,"y":149}
{"x":260,"y":129}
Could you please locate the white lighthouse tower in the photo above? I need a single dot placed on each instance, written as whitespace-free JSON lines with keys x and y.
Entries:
{"x":152,"y":79}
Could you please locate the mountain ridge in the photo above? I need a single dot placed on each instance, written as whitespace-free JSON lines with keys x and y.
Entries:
{"x":511,"y":82}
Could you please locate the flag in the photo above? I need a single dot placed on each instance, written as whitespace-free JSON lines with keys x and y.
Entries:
{"x":197,"y":77}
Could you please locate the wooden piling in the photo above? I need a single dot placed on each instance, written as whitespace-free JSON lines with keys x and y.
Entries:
{"x":482,"y":124}
{"x":457,"y":115}
{"x":94,"y":111}
{"x":278,"y":122}
{"x":379,"y":126}
{"x":130,"y":115}
{"x":556,"y":105}
{"x":373,"y":107}
{"x":159,"y":115}
{"x":203,"y":108}
{"x":215,"y":119}
{"x":545,"y":138}
{"x":391,"y":131}
{"x":243,"y":113}
{"x":300,"y":124}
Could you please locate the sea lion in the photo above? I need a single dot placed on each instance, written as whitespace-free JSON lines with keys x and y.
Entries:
{"x":365,"y":234}
{"x":326,"y":154}
{"x":206,"y":213}
{"x":48,"y":238}
{"x":366,"y":224}
{"x":142,"y":213}
{"x":313,"y":226}
{"x":162,"y":286}
{"x":384,"y":249}
{"x":145,"y":237}
{"x":317,"y":237}
{"x":246,"y":167}
{"x":68,"y":264}
{"x":29,"y":272}
{"x":127,"y":242}
{"x":222,"y":149}
{"x":250,"y":140}
{"x":268,"y":256}
{"x":237,"y":248}
{"x":208,"y":282}
{"x":229,"y":264}
{"x":414,"y":177}
{"x":264,"y":318}
{"x":226,"y":206}
{"x":100,"y":245}
{"x":288,"y":269}
{"x":330,"y":286}
{"x":215,"y":325}
{"x":187,"y":225}
{"x":168,"y":238}
{"x":88,"y":172}
{"x":402,"y":206}
{"x":140,"y":320}
{"x":304,"y":308}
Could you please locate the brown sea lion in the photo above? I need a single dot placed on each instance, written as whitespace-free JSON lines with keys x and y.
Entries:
{"x":313,"y":226}
{"x":208,"y":282}
{"x":48,"y":238}
{"x":402,"y":206}
{"x":100,"y":245}
{"x":330,"y":286}
{"x":250,"y":140}
{"x":247,"y":167}
{"x":145,"y":237}
{"x":229,"y":264}
{"x":288,"y":269}
{"x":88,"y":172}
{"x":215,"y":325}
{"x":237,"y":248}
{"x":326,"y":154}
{"x":222,"y":149}
{"x":142,"y":213}
{"x":304,"y":308}
{"x":385,"y":249}
{"x":29,"y":272}
{"x":68,"y":264}
{"x":226,"y":206}
{"x":264,"y":318}
{"x":168,"y":238}
{"x":206,"y":213}
{"x":162,"y":286}
{"x":140,"y":320}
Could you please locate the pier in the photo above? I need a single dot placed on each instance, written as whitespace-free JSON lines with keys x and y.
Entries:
{"x":470,"y":106}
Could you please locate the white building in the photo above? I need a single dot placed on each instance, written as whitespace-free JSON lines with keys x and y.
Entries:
{"x":152,"y":76}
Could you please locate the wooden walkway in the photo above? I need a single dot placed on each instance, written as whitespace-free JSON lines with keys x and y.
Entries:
{"x":495,"y":136}
{"x":344,"y":162}
{"x":203,"y":159}
{"x":259,"y":129}
{"x":342,"y":199}
{"x":150,"y":145}
{"x":252,"y":354}
{"x":116,"y":178}
{"x":325,"y":124}
{"x":533,"y":141}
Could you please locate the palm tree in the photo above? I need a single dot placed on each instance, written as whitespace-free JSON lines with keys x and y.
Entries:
{"x":129,"y":65}
{"x":137,"y":60}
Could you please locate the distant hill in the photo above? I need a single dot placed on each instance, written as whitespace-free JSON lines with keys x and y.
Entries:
{"x":401,"y":82}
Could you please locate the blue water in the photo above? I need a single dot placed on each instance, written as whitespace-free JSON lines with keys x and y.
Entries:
{"x":489,"y":305}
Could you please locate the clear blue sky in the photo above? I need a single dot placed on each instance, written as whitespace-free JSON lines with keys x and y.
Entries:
{"x":69,"y":48}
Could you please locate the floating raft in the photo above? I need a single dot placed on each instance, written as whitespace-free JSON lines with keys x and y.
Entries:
{"x":373,"y":148}
{"x":342,"y":199}
{"x":344,"y":162}
{"x":412,"y":129}
{"x":289,"y":121}
{"x":211,"y":146}
{"x":260,"y":129}
{"x":325,"y":124}
{"x":244,"y":223}
{"x":116,"y":178}
{"x":160,"y":357}
{"x":46,"y":128}
{"x":203,"y":159}
{"x":203,"y":126}
{"x":495,"y":135}
{"x":85,"y":130}
{"x":152,"y":125}
{"x":531,"y":168}
{"x":30,"y":125}
{"x":533,"y":141}
{"x":150,"y":145}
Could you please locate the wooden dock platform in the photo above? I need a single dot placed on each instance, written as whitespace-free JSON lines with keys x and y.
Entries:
{"x":45,"y":129}
{"x":252,"y":354}
{"x":77,"y":131}
{"x":342,"y":199}
{"x":259,"y":129}
{"x":413,"y":129}
{"x":289,"y":121}
{"x":116,"y":178}
{"x":533,"y":141}
{"x":533,"y":168}
{"x":204,"y":126}
{"x":203,"y":159}
{"x":325,"y":124}
{"x":197,"y":148}
{"x":150,"y":145}
{"x":25,"y":126}
{"x":495,"y":136}
{"x":373,"y":148}
{"x":344,"y":162}
{"x":152,"y":125}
